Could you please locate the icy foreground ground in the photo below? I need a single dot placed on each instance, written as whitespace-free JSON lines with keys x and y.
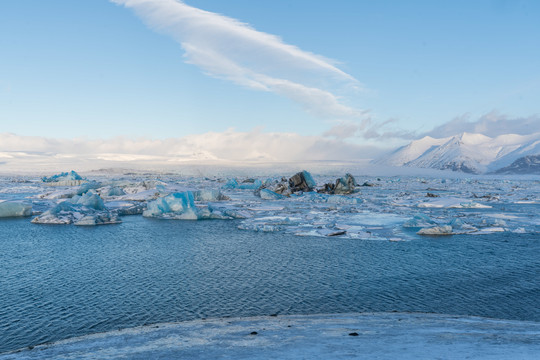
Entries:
{"x":359,"y":207}
{"x":345,"y":336}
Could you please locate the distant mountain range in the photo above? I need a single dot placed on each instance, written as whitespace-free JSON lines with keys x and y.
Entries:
{"x":471,"y":153}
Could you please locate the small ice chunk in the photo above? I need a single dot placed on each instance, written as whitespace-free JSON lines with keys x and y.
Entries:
{"x":419,"y":221}
{"x":270,"y":195}
{"x":436,"y":230}
{"x":89,"y":199}
{"x":14,"y":209}
{"x":250,"y":186}
{"x":233,"y":184}
{"x":91,"y":185}
{"x":459,"y":227}
{"x":115,"y":191}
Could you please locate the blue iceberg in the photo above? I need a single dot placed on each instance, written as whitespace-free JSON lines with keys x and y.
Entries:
{"x":87,"y":209}
{"x":64,"y":179}
{"x":178,"y":205}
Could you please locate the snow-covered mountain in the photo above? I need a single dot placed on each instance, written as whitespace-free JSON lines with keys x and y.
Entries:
{"x":466,"y":152}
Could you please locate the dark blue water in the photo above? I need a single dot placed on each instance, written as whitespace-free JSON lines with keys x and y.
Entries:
{"x":63,"y":281}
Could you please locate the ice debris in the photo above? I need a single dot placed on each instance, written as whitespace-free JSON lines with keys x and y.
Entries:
{"x":87,"y":209}
{"x":343,"y":185}
{"x":14,"y":209}
{"x":248,"y":184}
{"x":64,"y":179}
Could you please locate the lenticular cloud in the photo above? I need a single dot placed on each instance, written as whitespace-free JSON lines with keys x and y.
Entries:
{"x":226,"y":48}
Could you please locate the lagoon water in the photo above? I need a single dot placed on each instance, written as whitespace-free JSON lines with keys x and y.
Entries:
{"x":58,"y":282}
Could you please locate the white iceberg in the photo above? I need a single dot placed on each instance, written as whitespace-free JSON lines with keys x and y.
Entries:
{"x":14,"y":209}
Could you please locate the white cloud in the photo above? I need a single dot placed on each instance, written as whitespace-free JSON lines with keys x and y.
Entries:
{"x":226,"y":48}
{"x":491,"y":124}
{"x":253,"y":147}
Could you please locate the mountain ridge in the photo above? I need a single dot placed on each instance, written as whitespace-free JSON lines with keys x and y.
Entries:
{"x":467,"y":152}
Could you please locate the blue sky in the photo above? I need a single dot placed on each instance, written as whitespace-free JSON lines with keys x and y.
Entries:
{"x":101,"y":70}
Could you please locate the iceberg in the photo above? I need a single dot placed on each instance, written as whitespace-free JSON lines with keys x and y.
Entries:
{"x":87,"y":209}
{"x":14,"y":209}
{"x":181,"y":206}
{"x":64,"y":179}
{"x":178,"y":205}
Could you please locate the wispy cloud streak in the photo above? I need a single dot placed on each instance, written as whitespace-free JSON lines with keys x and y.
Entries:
{"x":226,"y":48}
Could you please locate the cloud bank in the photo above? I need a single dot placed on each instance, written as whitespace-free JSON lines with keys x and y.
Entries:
{"x":226,"y":48}
{"x":492,"y":124}
{"x":229,"y":147}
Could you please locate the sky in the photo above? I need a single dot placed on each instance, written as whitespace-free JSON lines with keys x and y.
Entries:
{"x":349,"y":76}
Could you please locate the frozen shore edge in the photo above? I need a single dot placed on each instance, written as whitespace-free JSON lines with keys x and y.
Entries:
{"x":336,"y":336}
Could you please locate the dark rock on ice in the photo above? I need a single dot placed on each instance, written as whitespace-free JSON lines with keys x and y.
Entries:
{"x":302,"y":181}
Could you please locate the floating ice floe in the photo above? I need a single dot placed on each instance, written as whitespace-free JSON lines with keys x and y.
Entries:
{"x":419,"y":221}
{"x":64,"y":179}
{"x":452,"y":203}
{"x":14,"y":209}
{"x":436,"y":230}
{"x":87,"y":209}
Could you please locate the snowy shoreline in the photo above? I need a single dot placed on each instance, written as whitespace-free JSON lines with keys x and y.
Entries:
{"x":337,"y":336}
